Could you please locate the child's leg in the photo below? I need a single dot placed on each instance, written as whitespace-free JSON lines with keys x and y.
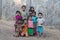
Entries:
{"x":26,"y":34}
{"x":41,"y":34}
{"x":15,"y":25}
{"x":22,"y":34}
{"x":38,"y":34}
{"x":38,"y":31}
{"x":35,"y":32}
{"x":17,"y":33}
{"x":41,"y":30}
{"x":30,"y":31}
{"x":18,"y":29}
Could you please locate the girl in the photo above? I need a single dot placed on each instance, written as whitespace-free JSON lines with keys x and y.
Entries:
{"x":30,"y":26}
{"x":18,"y":19}
{"x":40,"y":23}
{"x":34,"y":17}
{"x":25,"y":29}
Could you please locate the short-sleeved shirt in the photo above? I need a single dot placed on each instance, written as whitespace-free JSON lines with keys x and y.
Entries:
{"x":30,"y":24}
{"x":40,"y":21}
{"x":24,"y":14}
{"x":34,"y":19}
{"x":18,"y":17}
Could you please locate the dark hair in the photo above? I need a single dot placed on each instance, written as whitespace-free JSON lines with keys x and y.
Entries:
{"x":40,"y":13}
{"x":18,"y":12}
{"x":25,"y":19}
{"x":29,"y":17}
{"x":34,"y":12}
{"x":23,"y":6}
{"x":30,"y":10}
{"x":31,"y":7}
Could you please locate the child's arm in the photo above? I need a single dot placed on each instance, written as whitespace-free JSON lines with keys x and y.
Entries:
{"x":43,"y":22}
{"x":22,"y":25}
{"x":37,"y":22}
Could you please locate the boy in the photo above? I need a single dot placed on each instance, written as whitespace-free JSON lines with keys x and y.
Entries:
{"x":23,"y":11}
{"x":40,"y":23}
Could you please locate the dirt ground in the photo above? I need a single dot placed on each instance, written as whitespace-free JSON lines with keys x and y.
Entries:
{"x":7,"y":31}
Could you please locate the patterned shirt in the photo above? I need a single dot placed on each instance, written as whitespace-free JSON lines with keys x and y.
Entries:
{"x":30,"y":24}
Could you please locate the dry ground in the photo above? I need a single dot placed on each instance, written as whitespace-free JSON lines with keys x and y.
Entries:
{"x":7,"y":31}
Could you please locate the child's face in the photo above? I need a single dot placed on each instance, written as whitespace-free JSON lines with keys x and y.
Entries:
{"x":30,"y":13}
{"x":32,"y":8}
{"x":30,"y":18}
{"x":23,"y":8}
{"x":17,"y":14}
{"x":25,"y":21}
{"x":40,"y":16}
{"x":33,"y":14}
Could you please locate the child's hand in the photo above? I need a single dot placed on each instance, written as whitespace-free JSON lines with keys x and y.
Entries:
{"x":42,"y":24}
{"x":22,"y":25}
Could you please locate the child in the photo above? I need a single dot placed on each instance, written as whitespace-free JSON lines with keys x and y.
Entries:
{"x":35,"y":22}
{"x":30,"y":26}
{"x":18,"y":19}
{"x":30,"y":12}
{"x":25,"y":29}
{"x":23,"y":11}
{"x":40,"y":23}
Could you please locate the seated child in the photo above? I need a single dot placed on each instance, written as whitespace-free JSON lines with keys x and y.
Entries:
{"x":25,"y":29}
{"x":30,"y":26}
{"x":40,"y":22}
{"x":18,"y":19}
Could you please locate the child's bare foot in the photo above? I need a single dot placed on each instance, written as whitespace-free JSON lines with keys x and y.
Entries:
{"x":26,"y":35}
{"x":16,"y":35}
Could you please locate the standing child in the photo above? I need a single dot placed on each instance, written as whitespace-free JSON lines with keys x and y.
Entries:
{"x":34,"y":17}
{"x":18,"y":19}
{"x":40,"y":23}
{"x":24,"y":12}
{"x":25,"y":29}
{"x":30,"y":13}
{"x":30,"y":26}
